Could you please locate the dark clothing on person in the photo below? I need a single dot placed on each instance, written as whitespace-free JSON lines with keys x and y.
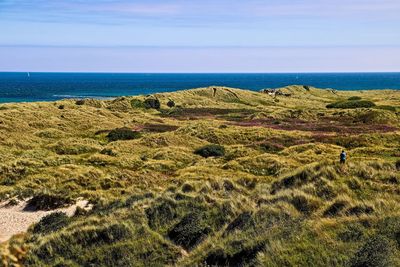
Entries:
{"x":343,"y":157}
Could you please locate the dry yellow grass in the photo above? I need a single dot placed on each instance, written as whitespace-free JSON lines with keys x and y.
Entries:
{"x":277,"y":197}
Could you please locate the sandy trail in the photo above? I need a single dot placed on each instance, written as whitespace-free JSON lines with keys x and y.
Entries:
{"x":15,"y":220}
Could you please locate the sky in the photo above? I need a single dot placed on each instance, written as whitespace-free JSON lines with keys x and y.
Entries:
{"x":200,"y":36}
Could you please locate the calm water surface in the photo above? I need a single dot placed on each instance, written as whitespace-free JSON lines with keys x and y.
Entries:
{"x":34,"y":86}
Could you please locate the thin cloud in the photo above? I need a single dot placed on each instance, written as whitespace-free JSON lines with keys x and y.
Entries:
{"x":124,"y":8}
{"x":324,"y":8}
{"x":197,"y":13}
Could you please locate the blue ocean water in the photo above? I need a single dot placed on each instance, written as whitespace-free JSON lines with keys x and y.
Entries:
{"x":21,"y":87}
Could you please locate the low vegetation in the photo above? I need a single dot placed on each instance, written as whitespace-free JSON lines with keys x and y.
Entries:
{"x":224,"y":177}
{"x":122,"y":134}
{"x":352,"y":103}
{"x":210,"y":151}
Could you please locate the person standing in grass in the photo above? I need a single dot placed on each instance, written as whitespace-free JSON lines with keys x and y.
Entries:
{"x":343,"y":157}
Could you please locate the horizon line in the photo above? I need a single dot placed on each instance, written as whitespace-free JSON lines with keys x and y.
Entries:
{"x":127,"y":72}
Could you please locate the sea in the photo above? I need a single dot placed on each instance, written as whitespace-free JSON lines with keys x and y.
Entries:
{"x":40,"y":86}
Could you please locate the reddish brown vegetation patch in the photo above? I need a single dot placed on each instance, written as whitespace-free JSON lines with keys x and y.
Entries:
{"x":277,"y":144}
{"x":158,"y":128}
{"x":343,"y":125}
{"x":198,"y":113}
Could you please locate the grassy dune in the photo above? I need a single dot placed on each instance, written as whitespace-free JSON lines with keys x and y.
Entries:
{"x":275,"y":196}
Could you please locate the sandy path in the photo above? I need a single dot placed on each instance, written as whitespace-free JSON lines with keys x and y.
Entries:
{"x":14,"y":220}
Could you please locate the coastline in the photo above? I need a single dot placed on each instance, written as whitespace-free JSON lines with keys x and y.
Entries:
{"x":110,"y":98}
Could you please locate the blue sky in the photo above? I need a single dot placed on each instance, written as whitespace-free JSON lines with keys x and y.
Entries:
{"x":200,"y":36}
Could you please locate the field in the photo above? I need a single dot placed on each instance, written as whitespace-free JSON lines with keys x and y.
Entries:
{"x":207,"y":177}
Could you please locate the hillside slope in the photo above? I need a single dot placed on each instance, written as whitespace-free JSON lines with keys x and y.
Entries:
{"x":272,"y":193}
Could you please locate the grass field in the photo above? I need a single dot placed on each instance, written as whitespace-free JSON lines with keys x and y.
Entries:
{"x":213,"y":176}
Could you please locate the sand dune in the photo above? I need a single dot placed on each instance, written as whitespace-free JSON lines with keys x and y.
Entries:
{"x":15,"y":219}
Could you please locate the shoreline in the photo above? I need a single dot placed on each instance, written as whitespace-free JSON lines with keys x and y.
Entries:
{"x":110,"y":98}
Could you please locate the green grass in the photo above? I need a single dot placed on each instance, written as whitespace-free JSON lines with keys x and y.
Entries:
{"x":230,"y":178}
{"x":351,"y":103}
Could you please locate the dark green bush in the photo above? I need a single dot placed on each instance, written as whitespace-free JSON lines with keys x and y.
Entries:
{"x":51,"y":223}
{"x":123,"y":134}
{"x":349,"y":104}
{"x":187,"y":188}
{"x":171,"y":103}
{"x":152,"y":103}
{"x":80,"y":102}
{"x":354,"y":98}
{"x":136,"y":103}
{"x":376,"y":252}
{"x":45,"y":201}
{"x":397,"y":164}
{"x":190,"y":231}
{"x":212,"y":150}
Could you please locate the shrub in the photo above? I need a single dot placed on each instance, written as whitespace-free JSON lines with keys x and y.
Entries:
{"x":122,"y":134}
{"x":354,"y":98}
{"x":390,"y":227}
{"x":136,"y":103}
{"x":335,"y":208}
{"x":171,"y":103}
{"x":353,"y":232}
{"x":228,"y":185}
{"x":51,"y":223}
{"x":80,"y":102}
{"x":376,"y":252}
{"x":190,"y":231}
{"x":12,"y":202}
{"x":61,"y":107}
{"x":359,"y":210}
{"x":45,"y":201}
{"x":212,"y":150}
{"x":397,"y":164}
{"x":243,"y":221}
{"x":349,"y":104}
{"x":187,"y":188}
{"x":152,"y":103}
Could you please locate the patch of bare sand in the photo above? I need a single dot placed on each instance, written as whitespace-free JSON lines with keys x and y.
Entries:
{"x":16,"y":219}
